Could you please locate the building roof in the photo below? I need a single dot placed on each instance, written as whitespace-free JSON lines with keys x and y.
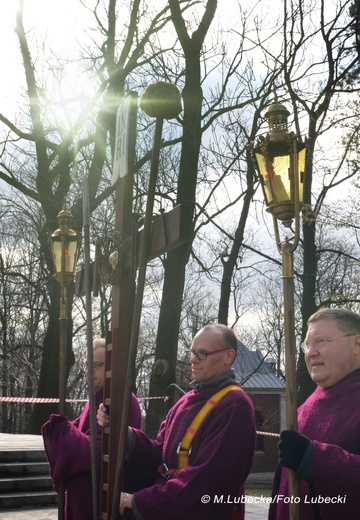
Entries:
{"x":253,"y":370}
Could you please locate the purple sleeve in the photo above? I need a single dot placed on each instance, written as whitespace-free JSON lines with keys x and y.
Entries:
{"x":219,"y":467}
{"x":142,"y":466}
{"x":67,"y":448}
{"x":67,"y":443}
{"x":328,"y":460}
{"x":135,"y":413}
{"x":337,"y":496}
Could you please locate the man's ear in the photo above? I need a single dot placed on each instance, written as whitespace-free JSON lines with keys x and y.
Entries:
{"x":231,"y":355}
{"x":357,"y":344}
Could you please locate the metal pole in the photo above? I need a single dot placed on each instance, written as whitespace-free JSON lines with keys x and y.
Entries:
{"x":290,"y":363}
{"x":62,"y":376}
{"x":63,"y":347}
{"x":90,"y":352}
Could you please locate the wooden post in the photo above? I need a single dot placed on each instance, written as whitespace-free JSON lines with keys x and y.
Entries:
{"x":122,"y":306}
{"x":90,"y":352}
{"x":144,"y":249}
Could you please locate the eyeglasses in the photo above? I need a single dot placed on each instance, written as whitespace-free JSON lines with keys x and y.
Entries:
{"x":319,"y":343}
{"x":97,"y":365}
{"x":202,"y":356}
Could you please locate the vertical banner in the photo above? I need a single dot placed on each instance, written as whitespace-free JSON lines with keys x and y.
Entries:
{"x":125,"y":134}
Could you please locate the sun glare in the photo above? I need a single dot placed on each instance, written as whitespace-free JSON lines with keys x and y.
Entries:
{"x":51,"y":27}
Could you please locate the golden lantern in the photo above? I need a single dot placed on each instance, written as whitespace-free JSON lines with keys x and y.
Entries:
{"x":280,"y":159}
{"x":64,"y":248}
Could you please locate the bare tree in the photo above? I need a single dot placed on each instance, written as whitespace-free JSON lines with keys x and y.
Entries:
{"x":23,"y":311}
{"x":316,"y":106}
{"x":43,"y":159}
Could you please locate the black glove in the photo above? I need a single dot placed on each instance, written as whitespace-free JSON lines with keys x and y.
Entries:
{"x":292,"y":447}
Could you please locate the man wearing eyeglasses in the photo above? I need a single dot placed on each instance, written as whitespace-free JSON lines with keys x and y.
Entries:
{"x":67,"y":444}
{"x":209,"y":483}
{"x":325,"y":454}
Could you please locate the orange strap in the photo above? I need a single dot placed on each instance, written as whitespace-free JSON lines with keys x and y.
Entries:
{"x":184,"y":448}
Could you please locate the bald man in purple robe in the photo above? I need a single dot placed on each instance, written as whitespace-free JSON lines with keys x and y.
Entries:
{"x":325,"y":454}
{"x":211,"y":485}
{"x":68,"y":446}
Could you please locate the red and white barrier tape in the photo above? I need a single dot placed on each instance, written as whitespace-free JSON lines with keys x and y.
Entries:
{"x":51,"y":399}
{"x":268,"y":434}
{"x":38,"y":400}
{"x":56,"y":400}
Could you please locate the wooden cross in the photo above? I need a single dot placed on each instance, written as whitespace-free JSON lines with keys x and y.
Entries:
{"x":167,"y":232}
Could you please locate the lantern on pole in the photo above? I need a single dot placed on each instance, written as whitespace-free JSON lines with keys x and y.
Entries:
{"x":280,"y":159}
{"x":64,"y":251}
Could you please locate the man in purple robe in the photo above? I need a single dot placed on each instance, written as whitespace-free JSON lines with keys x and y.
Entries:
{"x":211,"y":486}
{"x":325,"y":454}
{"x":68,"y":446}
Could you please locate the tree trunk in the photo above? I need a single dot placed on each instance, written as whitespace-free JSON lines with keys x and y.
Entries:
{"x":229,"y":265}
{"x":164,"y":368}
{"x":308,"y":305}
{"x":163,"y":372}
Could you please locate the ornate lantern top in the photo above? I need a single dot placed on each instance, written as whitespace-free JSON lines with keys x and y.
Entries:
{"x":277,"y":117}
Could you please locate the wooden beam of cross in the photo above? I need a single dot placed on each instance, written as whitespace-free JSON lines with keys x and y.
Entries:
{"x":168,"y":232}
{"x":159,"y":236}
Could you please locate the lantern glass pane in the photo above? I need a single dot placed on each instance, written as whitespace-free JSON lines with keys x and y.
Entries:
{"x":70,"y":254}
{"x":301,"y":169}
{"x":56,"y":254}
{"x":275,"y":176}
{"x":64,"y":252}
{"x":279,"y":175}
{"x":260,"y":159}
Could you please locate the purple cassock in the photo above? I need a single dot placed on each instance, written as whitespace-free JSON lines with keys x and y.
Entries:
{"x":220,"y":459}
{"x":331,"y":419}
{"x":67,"y":445}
